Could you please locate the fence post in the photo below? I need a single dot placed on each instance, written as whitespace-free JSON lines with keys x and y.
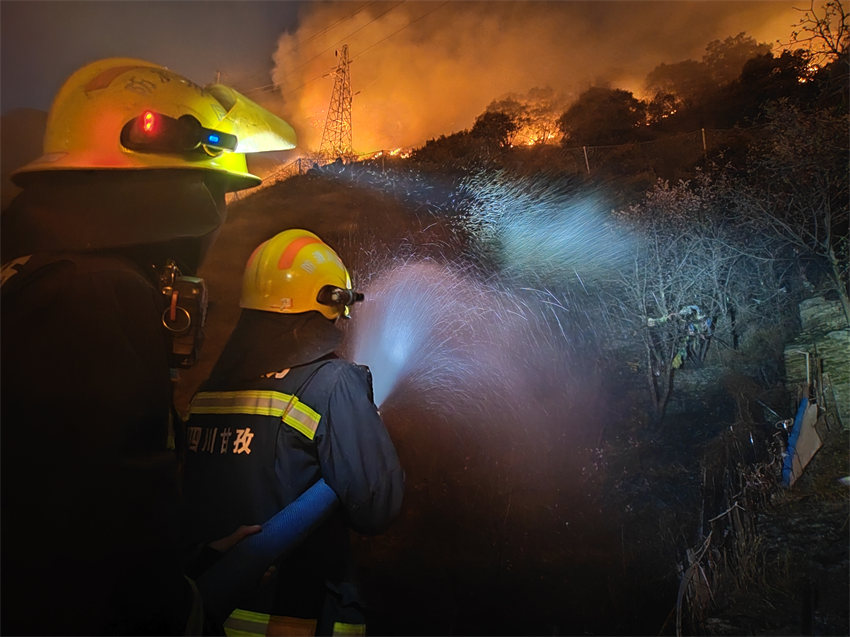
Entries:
{"x":704,"y":147}
{"x":586,"y":163}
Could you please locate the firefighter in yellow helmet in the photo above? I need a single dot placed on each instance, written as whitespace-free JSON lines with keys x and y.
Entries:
{"x":279,"y":411}
{"x":100,"y":306}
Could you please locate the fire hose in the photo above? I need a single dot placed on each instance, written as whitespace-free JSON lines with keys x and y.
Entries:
{"x":239,"y":570}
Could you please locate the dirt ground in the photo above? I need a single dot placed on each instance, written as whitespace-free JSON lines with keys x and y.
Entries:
{"x":516,"y":542}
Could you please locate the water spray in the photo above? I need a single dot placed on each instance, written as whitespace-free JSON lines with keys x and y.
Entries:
{"x":542,"y":230}
{"x":462,"y":343}
{"x":417,"y":323}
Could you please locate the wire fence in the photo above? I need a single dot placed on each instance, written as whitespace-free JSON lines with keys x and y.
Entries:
{"x":662,"y":154}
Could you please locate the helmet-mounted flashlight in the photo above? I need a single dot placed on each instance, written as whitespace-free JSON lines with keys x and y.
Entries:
{"x":153,"y":132}
{"x":338,"y":297}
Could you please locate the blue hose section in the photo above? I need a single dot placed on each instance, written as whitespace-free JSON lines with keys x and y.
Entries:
{"x":788,"y":465}
{"x":239,"y":570}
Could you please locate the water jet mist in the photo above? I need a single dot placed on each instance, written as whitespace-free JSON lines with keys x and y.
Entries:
{"x":541,"y":230}
{"x":471,"y":349}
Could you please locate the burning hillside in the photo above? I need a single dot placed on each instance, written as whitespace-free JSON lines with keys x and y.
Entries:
{"x":423,"y":69}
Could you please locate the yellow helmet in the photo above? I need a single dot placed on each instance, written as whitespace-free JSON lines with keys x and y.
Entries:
{"x":295,"y":271}
{"x":128,"y":114}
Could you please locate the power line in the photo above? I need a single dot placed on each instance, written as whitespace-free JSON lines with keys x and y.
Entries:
{"x":273,"y":85}
{"x":325,"y":30}
{"x":315,"y":35}
{"x":333,"y":24}
{"x":425,"y":15}
{"x":318,"y":77}
{"x":343,"y":39}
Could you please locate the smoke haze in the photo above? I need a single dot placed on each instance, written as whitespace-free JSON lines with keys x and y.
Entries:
{"x":424,"y":69}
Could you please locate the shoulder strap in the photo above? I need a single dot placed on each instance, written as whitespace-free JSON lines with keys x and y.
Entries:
{"x":13,"y":268}
{"x":17,"y":272}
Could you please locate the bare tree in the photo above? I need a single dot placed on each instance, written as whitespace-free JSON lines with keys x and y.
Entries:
{"x":823,"y":31}
{"x":693,"y":279}
{"x":652,"y":294}
{"x":797,"y":190}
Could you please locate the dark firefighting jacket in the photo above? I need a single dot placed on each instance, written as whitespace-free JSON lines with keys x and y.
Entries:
{"x":89,"y":487}
{"x":257,"y":440}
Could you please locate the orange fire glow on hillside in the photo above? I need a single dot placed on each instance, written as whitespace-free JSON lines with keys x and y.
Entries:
{"x":529,"y":137}
{"x":401,"y":153}
{"x":417,"y":72}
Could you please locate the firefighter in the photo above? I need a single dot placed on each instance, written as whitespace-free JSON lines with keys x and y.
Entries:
{"x":100,"y":307}
{"x":280,"y":411}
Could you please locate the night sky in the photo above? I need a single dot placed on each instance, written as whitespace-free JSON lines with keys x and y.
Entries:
{"x":42,"y":43}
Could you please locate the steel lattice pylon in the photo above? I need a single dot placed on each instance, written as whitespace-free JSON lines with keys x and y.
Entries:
{"x":336,"y":138}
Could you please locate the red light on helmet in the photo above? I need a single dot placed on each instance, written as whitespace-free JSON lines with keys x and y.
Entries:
{"x":148,"y":122}
{"x":153,"y":132}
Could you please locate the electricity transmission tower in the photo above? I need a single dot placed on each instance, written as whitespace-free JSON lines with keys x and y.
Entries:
{"x":336,"y":138}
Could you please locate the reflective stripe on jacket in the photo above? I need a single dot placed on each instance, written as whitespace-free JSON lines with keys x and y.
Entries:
{"x":245,"y":623}
{"x":261,"y":403}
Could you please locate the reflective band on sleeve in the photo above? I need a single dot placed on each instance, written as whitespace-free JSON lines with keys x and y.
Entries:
{"x":291,"y":627}
{"x":259,"y":403}
{"x":355,"y":630}
{"x":246,"y":623}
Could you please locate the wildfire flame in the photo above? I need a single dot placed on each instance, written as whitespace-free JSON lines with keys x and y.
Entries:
{"x":402,"y":153}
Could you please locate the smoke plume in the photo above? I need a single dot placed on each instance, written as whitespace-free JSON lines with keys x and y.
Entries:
{"x":424,"y":69}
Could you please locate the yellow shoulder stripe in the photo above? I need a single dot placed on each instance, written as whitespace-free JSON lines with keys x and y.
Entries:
{"x":257,"y":402}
